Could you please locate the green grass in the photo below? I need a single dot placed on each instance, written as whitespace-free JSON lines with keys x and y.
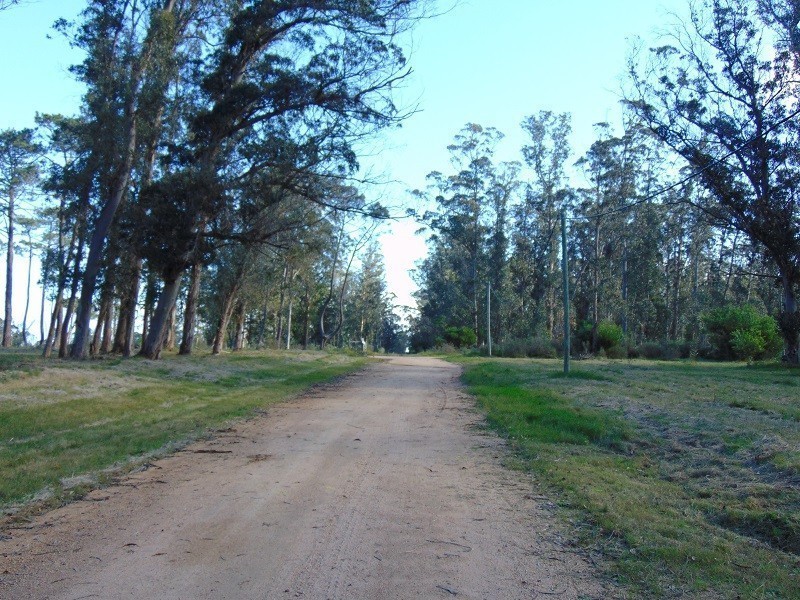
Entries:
{"x":684,"y":474}
{"x":65,"y":420}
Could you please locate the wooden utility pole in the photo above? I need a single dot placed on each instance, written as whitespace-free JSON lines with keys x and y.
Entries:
{"x":565,"y":275}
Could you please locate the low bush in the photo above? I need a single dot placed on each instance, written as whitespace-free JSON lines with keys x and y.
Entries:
{"x":650,"y":350}
{"x":609,"y":335}
{"x":741,"y":332}
{"x":661,"y":350}
{"x":460,"y":337}
{"x":445,"y":348}
{"x":617,"y":352}
{"x":537,"y":347}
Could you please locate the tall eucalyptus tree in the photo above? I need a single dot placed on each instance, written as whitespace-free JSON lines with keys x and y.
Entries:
{"x":131,"y":61}
{"x":292,"y":84}
{"x":725,"y":99}
{"x":18,"y":172}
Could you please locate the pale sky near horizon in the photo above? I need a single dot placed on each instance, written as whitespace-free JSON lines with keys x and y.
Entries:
{"x":491,"y":62}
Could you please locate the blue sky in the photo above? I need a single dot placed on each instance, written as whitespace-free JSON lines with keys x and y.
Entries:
{"x":491,"y":62}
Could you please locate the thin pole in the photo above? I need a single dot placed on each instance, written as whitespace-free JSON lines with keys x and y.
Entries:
{"x":565,"y":275}
{"x":489,"y":317}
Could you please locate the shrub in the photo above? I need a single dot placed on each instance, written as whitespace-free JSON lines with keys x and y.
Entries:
{"x":747,"y":344}
{"x":741,"y":332}
{"x":617,"y":352}
{"x":661,"y":350}
{"x":514,"y":348}
{"x":445,"y":349}
{"x":584,"y":336}
{"x":541,"y":347}
{"x":537,"y":347}
{"x":460,"y":337}
{"x":609,"y":335}
{"x":650,"y":350}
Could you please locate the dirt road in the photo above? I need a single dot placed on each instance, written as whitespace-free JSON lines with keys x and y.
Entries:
{"x":378,"y":487}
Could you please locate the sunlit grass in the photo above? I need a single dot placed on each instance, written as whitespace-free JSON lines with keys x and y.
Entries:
{"x":686,"y":474}
{"x":63,"y":420}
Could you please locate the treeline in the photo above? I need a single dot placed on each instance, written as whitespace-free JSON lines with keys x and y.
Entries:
{"x":210,"y":178}
{"x":693,"y":207}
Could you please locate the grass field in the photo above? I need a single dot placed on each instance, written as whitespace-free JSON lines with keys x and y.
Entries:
{"x":687,"y":475}
{"x":67,"y":426}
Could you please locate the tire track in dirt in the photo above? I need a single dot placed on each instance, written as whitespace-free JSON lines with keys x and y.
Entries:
{"x":378,"y":487}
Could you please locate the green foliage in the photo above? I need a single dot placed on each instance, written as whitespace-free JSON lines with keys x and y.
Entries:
{"x":609,"y":334}
{"x":747,"y":344}
{"x":537,"y":347}
{"x":617,"y":352}
{"x":740,"y":332}
{"x":584,"y":334}
{"x":460,"y":337}
{"x":661,"y":350}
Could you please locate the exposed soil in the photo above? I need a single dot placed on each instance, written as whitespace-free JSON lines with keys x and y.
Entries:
{"x":378,"y":487}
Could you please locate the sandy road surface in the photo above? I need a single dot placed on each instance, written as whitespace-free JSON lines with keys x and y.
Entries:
{"x":378,"y":487}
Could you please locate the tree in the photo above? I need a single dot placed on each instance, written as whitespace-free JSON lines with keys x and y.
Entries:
{"x":607,"y":230}
{"x":534,"y":261}
{"x":784,"y":15}
{"x":289,"y":89}
{"x":128,"y":73}
{"x":461,"y":224}
{"x":18,"y":171}
{"x":724,"y":100}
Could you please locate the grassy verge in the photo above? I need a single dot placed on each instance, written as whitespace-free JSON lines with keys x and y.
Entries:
{"x":62,"y":423}
{"x":687,"y":475}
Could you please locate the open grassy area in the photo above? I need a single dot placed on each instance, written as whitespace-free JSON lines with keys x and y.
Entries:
{"x":63,"y":423}
{"x":687,"y":475}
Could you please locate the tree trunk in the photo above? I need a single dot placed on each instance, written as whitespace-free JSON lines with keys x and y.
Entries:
{"x":729,"y":276}
{"x":279,"y":314}
{"x":55,"y":321}
{"x":119,"y":188}
{"x":154,"y":344}
{"x":289,"y":325}
{"x":190,"y":311}
{"x":224,"y":320}
{"x":790,"y":321}
{"x":306,"y":319}
{"x":695,"y":324}
{"x":121,"y":330}
{"x":28,"y":292}
{"x":73,"y":294}
{"x":9,"y":273}
{"x":108,"y":327}
{"x":45,"y":282}
{"x":126,"y":323}
{"x":149,"y":305}
{"x":42,"y":333}
{"x":263,"y":326}
{"x":94,"y":347}
{"x":625,"y":290}
{"x":169,"y":336}
{"x":239,"y":338}
{"x":100,"y":231}
{"x":474,"y":274}
{"x":674,"y":325}
{"x":596,"y":287}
